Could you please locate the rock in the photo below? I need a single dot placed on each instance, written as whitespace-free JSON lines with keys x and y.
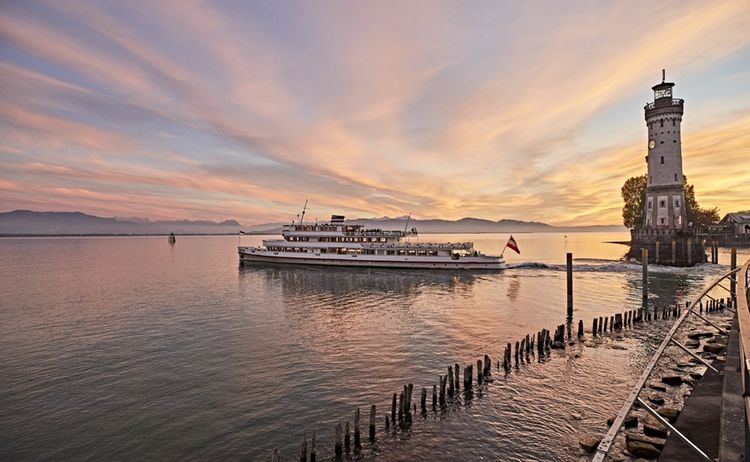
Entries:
{"x":692,"y":344}
{"x":653,"y":428}
{"x":714,"y":348}
{"x":557,"y":345}
{"x":640,"y":449}
{"x":576,"y":416}
{"x":683,"y":365}
{"x":673,"y":380}
{"x":696,"y":375}
{"x":707,"y":355}
{"x":656,"y":399}
{"x":658,"y":443}
{"x":698,"y":335}
{"x":689,"y":382}
{"x":656,"y":387}
{"x":589,"y":442}
{"x":617,"y":346}
{"x":668,"y":413}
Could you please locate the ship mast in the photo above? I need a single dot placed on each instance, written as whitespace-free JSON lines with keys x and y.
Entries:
{"x":302,"y":216}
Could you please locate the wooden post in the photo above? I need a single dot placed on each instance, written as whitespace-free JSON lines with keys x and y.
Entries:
{"x":605,"y":324}
{"x":644,"y":260}
{"x":594,"y":330}
{"x":372,"y":423}
{"x":275,"y":456}
{"x":569,"y":262}
{"x":656,"y":254}
{"x":337,"y":441}
{"x":580,"y":328}
{"x":456,"y":377}
{"x":487,"y":366}
{"x":357,"y":442}
{"x":733,"y":283}
{"x":401,"y":408}
{"x":479,"y":371}
{"x":450,"y":381}
{"x":313,"y":455}
{"x":393,"y":411}
{"x":347,"y":437}
{"x":303,"y":450}
{"x":423,"y":401}
{"x":674,"y":251}
{"x":434,"y":397}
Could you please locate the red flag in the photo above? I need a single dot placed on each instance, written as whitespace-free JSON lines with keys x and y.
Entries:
{"x":512,"y":245}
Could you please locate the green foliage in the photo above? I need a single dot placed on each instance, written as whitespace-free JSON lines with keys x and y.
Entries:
{"x":634,"y":194}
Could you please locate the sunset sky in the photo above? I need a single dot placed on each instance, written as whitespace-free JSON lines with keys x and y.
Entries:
{"x":235,"y":109}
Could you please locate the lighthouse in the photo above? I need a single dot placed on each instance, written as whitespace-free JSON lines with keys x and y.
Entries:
{"x":665,"y":231}
{"x":665,"y":198}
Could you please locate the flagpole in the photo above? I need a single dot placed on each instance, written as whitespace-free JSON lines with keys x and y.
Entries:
{"x":503,"y":251}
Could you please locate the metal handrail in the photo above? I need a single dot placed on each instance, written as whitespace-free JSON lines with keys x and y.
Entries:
{"x":609,"y":438}
{"x":743,"y":320}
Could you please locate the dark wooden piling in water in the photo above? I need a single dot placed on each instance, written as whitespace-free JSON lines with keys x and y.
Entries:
{"x":313,"y":452}
{"x":443,"y":381}
{"x":601,"y":324}
{"x":337,"y":442}
{"x":423,"y":401}
{"x":569,"y":267}
{"x":605,"y":323}
{"x":393,"y":411}
{"x":594,"y":328}
{"x":456,"y":376}
{"x":372,"y":423}
{"x":479,"y":372}
{"x":401,"y":408}
{"x":357,"y":441}
{"x":434,"y":397}
{"x":450,"y":381}
{"x":580,"y":329}
{"x":644,"y":262}
{"x":347,"y":437}
{"x":275,"y":456}
{"x":303,"y":450}
{"x":487,"y":371}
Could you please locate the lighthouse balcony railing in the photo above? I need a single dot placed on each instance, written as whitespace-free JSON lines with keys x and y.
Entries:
{"x":659,"y":103}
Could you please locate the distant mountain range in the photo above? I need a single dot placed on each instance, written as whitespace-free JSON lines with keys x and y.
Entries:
{"x":26,"y":222}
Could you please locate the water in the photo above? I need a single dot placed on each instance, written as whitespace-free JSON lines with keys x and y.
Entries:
{"x":132,"y":349}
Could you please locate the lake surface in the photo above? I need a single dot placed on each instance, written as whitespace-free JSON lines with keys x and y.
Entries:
{"x":127,"y":348}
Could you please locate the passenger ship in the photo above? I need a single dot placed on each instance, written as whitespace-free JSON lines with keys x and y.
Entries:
{"x":340,"y":244}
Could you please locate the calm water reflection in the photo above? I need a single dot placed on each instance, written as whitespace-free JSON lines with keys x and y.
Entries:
{"x":128,"y":348}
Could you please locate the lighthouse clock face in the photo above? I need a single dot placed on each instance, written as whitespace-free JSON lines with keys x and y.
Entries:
{"x":651,"y":144}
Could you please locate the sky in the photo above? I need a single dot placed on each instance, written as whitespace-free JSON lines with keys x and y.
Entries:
{"x":179,"y":109}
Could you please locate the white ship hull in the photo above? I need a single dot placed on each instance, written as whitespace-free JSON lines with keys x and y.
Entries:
{"x":249,"y":255}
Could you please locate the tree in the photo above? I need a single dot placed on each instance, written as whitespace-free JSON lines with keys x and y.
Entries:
{"x":634,"y":194}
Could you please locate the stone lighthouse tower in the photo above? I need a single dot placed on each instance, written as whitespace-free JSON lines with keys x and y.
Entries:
{"x":665,"y":232}
{"x":665,"y":199}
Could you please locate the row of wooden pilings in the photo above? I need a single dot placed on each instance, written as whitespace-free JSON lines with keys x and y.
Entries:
{"x":348,"y":440}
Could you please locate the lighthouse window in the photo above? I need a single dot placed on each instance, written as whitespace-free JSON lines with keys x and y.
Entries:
{"x":662,"y":204}
{"x":673,"y":122}
{"x":675,"y":177}
{"x":662,"y":159}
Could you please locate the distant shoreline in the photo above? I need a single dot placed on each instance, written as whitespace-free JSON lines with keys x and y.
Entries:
{"x":255,"y":233}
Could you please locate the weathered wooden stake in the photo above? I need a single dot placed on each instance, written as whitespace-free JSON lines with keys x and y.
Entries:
{"x":313,"y":455}
{"x":580,"y":328}
{"x":401,"y":408}
{"x":337,"y":441}
{"x":357,"y":442}
{"x":569,"y":262}
{"x":434,"y":397}
{"x":450,"y":381}
{"x":456,"y":374}
{"x":423,"y":401}
{"x":275,"y":456}
{"x":393,"y":410}
{"x":644,"y":261}
{"x":479,"y":372}
{"x":594,"y":328}
{"x":387,"y":424}
{"x":605,"y":324}
{"x":303,"y":450}
{"x":347,"y":437}
{"x":372,"y":423}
